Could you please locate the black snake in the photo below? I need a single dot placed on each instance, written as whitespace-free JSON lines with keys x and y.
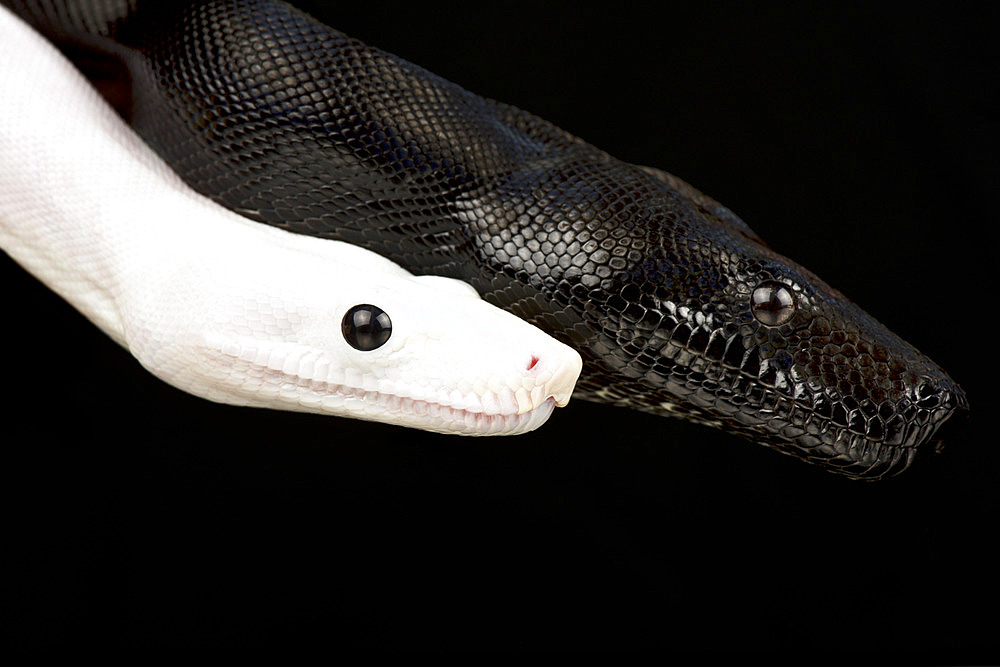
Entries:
{"x":675,"y":304}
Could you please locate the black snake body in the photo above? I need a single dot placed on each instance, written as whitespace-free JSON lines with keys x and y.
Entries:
{"x":297,"y":125}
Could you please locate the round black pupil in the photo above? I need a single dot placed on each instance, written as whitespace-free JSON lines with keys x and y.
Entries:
{"x":366,"y":327}
{"x":772,"y":304}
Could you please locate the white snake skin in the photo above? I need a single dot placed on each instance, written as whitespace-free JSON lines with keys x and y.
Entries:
{"x":232,"y":310}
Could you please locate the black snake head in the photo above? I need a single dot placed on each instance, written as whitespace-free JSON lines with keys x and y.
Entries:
{"x":676,"y":306}
{"x":699,"y":318}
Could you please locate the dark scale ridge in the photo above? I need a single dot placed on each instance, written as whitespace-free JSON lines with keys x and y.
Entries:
{"x":677,"y":307}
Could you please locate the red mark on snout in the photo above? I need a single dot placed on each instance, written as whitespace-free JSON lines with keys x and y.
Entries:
{"x":533,"y":362}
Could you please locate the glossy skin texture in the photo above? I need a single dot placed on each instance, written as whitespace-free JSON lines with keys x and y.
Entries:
{"x":657,"y":285}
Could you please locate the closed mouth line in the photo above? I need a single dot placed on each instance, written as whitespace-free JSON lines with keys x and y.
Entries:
{"x":475,"y":422}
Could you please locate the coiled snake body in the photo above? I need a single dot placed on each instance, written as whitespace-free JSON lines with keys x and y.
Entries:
{"x":675,"y":304}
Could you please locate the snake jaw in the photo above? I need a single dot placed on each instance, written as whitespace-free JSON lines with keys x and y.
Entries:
{"x":441,"y":411}
{"x":258,"y":374}
{"x":859,"y":445}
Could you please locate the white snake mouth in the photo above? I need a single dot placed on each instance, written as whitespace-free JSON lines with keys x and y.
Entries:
{"x":431,"y":416}
{"x":263,"y":383}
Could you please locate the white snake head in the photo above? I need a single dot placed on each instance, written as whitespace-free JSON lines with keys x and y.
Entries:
{"x":282,"y":337}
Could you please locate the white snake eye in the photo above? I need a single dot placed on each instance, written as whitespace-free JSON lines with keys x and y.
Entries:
{"x":772,"y":303}
{"x":366,"y":327}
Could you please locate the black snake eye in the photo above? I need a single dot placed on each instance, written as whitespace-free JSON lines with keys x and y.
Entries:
{"x":772,"y":303}
{"x":366,"y":327}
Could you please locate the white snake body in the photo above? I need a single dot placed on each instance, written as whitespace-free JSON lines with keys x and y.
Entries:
{"x":236,"y":311}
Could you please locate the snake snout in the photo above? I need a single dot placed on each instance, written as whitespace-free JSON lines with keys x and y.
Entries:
{"x":930,"y":403}
{"x":901,"y":427}
{"x":940,"y":395}
{"x":553,"y":374}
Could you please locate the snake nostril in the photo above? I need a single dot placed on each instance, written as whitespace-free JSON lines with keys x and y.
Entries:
{"x":942,"y":397}
{"x":929,"y":397}
{"x":533,"y":362}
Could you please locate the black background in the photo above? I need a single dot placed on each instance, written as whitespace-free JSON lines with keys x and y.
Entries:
{"x":860,"y":142}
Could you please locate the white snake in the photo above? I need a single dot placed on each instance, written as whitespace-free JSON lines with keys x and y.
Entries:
{"x":232,"y":310}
